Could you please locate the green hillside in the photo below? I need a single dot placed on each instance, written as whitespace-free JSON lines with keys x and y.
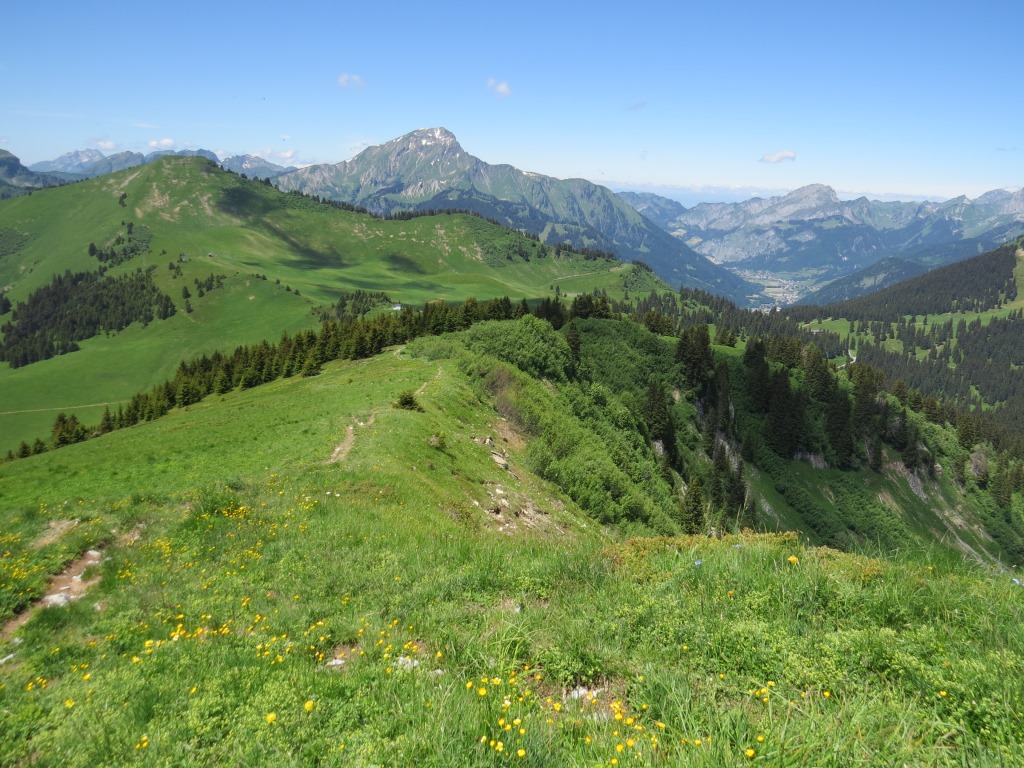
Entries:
{"x":953,"y":335}
{"x":305,"y":574}
{"x":278,"y":256}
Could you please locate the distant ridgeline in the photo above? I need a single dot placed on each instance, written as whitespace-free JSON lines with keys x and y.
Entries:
{"x":80,"y":305}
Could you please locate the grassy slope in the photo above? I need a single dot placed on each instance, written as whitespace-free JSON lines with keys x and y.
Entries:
{"x":229,"y":226}
{"x":258,"y":561}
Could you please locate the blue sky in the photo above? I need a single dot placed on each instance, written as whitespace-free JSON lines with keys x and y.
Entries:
{"x":909,"y":99}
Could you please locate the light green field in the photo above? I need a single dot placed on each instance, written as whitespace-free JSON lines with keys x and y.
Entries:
{"x":467,"y":611}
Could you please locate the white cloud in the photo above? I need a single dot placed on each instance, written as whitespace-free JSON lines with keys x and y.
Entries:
{"x":501,"y":89}
{"x":106,"y":144}
{"x":348,"y":80}
{"x":778,"y":157}
{"x":161,"y":143}
{"x":288,"y":154}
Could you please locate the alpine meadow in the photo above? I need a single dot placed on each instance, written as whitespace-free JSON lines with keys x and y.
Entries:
{"x":353,"y":466}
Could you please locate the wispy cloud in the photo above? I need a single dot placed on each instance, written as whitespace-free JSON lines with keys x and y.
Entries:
{"x":500,"y":89}
{"x":288,"y":154}
{"x":636,"y":106}
{"x":1006,"y":149}
{"x":106,"y":144}
{"x":778,"y":157}
{"x":145,"y":125}
{"x":161,"y":143}
{"x":348,"y":80}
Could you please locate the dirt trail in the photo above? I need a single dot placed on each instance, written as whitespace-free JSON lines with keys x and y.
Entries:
{"x":66,"y":586}
{"x":423,"y":386}
{"x":341,"y":449}
{"x":69,"y":584}
{"x":60,"y":408}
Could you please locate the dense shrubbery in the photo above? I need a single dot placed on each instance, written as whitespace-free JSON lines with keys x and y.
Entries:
{"x":529,"y":344}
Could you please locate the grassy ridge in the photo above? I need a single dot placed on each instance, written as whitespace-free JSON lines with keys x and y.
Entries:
{"x":469,"y":604}
{"x":219,"y":223}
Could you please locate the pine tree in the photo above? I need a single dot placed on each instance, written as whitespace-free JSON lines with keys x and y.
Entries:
{"x":106,"y":422}
{"x":693,"y":507}
{"x":311,"y":367}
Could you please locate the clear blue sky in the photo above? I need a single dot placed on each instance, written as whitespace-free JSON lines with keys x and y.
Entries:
{"x":910,"y":98}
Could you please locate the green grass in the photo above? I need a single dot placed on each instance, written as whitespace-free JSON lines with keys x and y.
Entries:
{"x":229,"y":226}
{"x":467,"y":602}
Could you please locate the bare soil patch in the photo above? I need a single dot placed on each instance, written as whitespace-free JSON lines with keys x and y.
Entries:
{"x":54,"y":531}
{"x":65,"y":587}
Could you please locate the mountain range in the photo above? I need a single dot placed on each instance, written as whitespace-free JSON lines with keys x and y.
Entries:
{"x":90,"y":163}
{"x":428,"y":170}
{"x":812,"y":237}
{"x":764,"y":250}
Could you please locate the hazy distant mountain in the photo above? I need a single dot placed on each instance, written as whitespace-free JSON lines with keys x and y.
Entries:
{"x":661,"y":210}
{"x":810,"y":235}
{"x":70,"y":162}
{"x":428,"y":169}
{"x":16,"y":179}
{"x":116,"y":162}
{"x":182,"y":153}
{"x":254,"y":166}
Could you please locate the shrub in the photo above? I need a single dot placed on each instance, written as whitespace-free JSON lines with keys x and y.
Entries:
{"x":407,"y":402}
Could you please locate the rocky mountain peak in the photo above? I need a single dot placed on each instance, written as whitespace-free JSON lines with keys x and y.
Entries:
{"x":430,"y":136}
{"x":818,"y":194}
{"x":425,"y":142}
{"x":75,"y":161}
